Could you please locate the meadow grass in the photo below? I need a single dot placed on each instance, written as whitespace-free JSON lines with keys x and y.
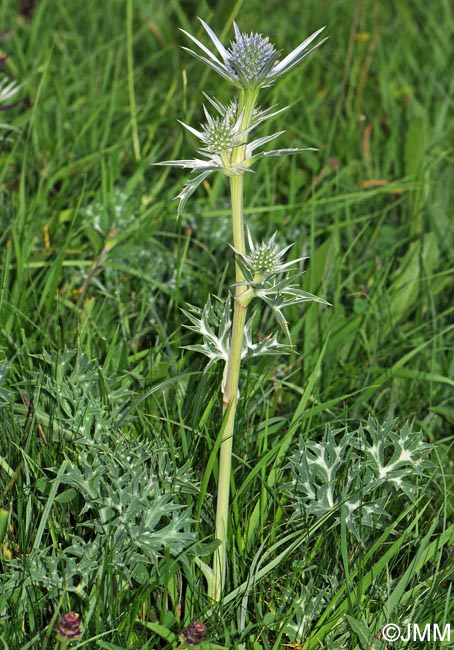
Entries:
{"x":106,"y":416}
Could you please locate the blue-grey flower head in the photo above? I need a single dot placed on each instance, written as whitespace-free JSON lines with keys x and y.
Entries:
{"x":251,"y":62}
{"x":251,"y":58}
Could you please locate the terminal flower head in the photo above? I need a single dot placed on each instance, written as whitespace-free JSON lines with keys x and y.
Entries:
{"x":251,"y":61}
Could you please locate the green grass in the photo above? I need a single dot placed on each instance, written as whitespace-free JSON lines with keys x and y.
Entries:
{"x":95,"y":270}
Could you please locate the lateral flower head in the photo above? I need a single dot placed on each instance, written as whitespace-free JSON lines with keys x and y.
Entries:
{"x":222,"y":137}
{"x":264,"y":261}
{"x":219,"y":136}
{"x":265,"y":278}
{"x":251,"y":62}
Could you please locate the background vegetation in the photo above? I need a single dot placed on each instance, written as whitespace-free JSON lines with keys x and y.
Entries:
{"x":109,"y":427}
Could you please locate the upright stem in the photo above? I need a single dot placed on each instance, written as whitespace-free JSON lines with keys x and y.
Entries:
{"x":132,"y":95}
{"x":230,"y":394}
{"x":229,"y":400}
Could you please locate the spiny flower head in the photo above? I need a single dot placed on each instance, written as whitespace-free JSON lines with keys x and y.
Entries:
{"x":251,"y":61}
{"x":221,"y":136}
{"x":218,"y":136}
{"x":251,"y":58}
{"x":264,"y":260}
{"x":264,"y":278}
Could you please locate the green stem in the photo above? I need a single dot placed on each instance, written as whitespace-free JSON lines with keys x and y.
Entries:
{"x":132,"y":95}
{"x":230,"y":391}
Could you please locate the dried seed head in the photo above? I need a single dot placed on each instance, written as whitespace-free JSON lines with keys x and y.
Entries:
{"x":194,"y":633}
{"x":68,"y":629}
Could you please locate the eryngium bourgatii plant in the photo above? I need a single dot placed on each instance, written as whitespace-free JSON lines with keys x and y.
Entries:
{"x":250,"y":64}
